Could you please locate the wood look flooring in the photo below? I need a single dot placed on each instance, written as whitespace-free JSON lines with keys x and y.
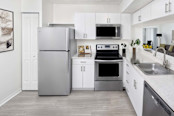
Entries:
{"x":79,"y":103}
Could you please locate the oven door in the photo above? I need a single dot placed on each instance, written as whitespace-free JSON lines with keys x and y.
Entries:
{"x":106,"y":70}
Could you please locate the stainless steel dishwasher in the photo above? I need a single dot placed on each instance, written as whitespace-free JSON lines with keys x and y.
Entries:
{"x":153,"y":105}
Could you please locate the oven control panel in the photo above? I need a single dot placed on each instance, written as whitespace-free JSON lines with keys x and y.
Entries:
{"x":108,"y":47}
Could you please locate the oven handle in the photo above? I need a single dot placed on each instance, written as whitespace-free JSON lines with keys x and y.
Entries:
{"x":108,"y":60}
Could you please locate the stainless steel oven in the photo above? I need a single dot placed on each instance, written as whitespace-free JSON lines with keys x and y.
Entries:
{"x":108,"y":31}
{"x":106,"y":70}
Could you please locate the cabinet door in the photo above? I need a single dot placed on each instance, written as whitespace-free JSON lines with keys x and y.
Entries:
{"x":137,"y":17}
{"x":79,"y":26}
{"x":90,"y":26}
{"x":159,"y":8}
{"x":88,"y":76}
{"x":138,"y":89}
{"x":77,"y":76}
{"x":126,"y":26}
{"x":102,"y":18}
{"x":146,"y":13}
{"x":114,"y":18}
{"x":171,"y":6}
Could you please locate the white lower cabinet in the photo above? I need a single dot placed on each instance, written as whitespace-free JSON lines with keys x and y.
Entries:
{"x":83,"y":74}
{"x":134,"y":85}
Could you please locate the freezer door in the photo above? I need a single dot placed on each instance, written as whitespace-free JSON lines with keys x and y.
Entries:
{"x":54,"y":73}
{"x":53,"y":38}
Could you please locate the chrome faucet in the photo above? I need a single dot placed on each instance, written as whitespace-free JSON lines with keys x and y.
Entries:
{"x":165,"y":62}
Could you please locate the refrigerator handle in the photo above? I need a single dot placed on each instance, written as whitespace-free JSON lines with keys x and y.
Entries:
{"x":67,"y":38}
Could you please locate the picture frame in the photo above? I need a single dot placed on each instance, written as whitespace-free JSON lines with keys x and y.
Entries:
{"x":6,"y":30}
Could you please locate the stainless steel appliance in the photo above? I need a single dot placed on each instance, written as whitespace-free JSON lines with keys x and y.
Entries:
{"x":108,"y":68}
{"x":153,"y":105}
{"x":56,"y":46}
{"x":108,"y":31}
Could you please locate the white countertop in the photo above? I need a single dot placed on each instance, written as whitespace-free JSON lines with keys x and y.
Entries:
{"x":87,"y":56}
{"x":163,"y":85}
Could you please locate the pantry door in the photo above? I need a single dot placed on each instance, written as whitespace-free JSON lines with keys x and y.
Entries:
{"x":30,"y":23}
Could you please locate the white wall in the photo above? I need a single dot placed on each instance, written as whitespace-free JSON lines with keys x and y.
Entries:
{"x":10,"y":62}
{"x":64,"y":13}
{"x":32,"y":6}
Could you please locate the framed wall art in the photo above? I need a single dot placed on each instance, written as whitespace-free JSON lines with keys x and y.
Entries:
{"x":6,"y":30}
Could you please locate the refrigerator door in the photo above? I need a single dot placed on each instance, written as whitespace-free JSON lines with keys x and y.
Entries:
{"x":54,"y":73}
{"x":53,"y":38}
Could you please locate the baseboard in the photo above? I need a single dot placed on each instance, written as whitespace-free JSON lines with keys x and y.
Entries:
{"x":5,"y":100}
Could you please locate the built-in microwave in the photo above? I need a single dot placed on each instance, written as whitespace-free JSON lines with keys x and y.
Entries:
{"x":108,"y":31}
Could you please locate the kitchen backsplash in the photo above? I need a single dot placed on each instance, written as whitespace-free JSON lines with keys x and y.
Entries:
{"x":103,"y":41}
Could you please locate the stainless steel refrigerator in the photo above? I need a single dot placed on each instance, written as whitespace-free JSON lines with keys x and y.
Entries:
{"x":56,"y":47}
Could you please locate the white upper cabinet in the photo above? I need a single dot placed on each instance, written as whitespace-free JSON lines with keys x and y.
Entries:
{"x":101,"y":18}
{"x":146,"y":13}
{"x":154,"y":10}
{"x":137,"y":17}
{"x":85,"y":26}
{"x":90,"y":26}
{"x":159,"y":8}
{"x":126,"y":26}
{"x":108,"y":18}
{"x":79,"y":26}
{"x":114,"y":18}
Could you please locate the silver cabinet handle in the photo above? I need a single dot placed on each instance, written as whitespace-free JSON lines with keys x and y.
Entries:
{"x":135,"y":84}
{"x":127,"y":81}
{"x":107,"y":20}
{"x":84,"y":68}
{"x":83,"y":35}
{"x":166,"y":8}
{"x":127,"y":65}
{"x":139,"y":18}
{"x":170,"y":6}
{"x":81,"y":69}
{"x":86,"y":35}
{"x":127,"y":72}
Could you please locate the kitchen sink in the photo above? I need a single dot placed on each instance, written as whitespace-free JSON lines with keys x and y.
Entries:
{"x":154,"y":69}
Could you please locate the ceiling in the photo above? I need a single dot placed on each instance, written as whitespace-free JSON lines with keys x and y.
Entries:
{"x":111,"y":2}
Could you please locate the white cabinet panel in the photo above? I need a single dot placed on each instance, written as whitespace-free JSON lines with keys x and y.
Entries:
{"x":77,"y":76}
{"x":108,"y":18}
{"x":146,"y":13}
{"x":85,"y":26}
{"x":137,"y":17}
{"x":114,"y":18}
{"x":90,"y":26}
{"x":79,"y":26}
{"x":83,"y":74}
{"x":101,"y":18}
{"x":159,"y":8}
{"x":135,"y":88}
{"x":88,"y":76}
{"x":126,"y":26}
{"x":30,"y":23}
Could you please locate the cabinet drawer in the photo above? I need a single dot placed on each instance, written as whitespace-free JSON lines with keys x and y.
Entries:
{"x":83,"y":61}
